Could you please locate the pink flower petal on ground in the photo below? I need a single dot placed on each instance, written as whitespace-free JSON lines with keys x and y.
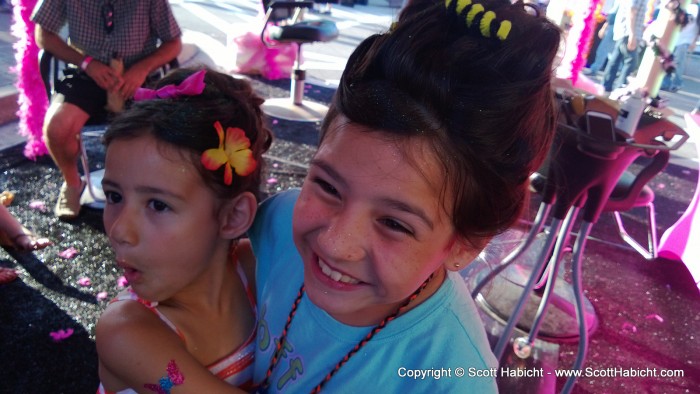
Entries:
{"x":101,"y":296}
{"x":122,"y":282}
{"x":84,"y":281}
{"x":275,"y":121}
{"x":629,"y":327}
{"x":38,"y":205}
{"x":60,"y":335}
{"x":272,"y":180}
{"x":69,"y":253}
{"x":275,"y":165}
{"x":661,"y":186}
{"x":655,"y":316}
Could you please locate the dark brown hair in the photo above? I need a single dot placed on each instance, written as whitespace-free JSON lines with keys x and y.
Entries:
{"x":484,"y":104}
{"x":187,"y":122}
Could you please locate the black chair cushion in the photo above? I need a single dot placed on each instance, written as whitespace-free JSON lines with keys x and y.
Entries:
{"x":304,"y":32}
{"x":620,"y":198}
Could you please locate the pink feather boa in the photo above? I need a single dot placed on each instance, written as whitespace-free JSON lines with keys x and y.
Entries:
{"x":578,"y":40}
{"x":32,"y":98}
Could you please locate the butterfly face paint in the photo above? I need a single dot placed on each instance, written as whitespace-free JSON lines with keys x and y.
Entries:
{"x":173,"y":378}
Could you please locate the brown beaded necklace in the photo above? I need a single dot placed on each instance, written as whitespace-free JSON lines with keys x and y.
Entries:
{"x":280,"y":344}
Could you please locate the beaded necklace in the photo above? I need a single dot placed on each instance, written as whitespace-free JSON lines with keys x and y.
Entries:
{"x":280,"y":344}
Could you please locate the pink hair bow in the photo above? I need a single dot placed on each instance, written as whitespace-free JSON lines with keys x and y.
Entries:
{"x":191,"y":86}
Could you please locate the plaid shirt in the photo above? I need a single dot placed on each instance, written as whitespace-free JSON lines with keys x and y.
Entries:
{"x":623,"y":26}
{"x":138,"y":25}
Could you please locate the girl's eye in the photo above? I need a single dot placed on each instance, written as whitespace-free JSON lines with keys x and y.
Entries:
{"x":394,"y":225}
{"x":113,"y":197}
{"x":158,"y":206}
{"x":326,"y":187}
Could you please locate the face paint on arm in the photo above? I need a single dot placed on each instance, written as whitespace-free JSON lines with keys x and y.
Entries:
{"x":173,"y":378}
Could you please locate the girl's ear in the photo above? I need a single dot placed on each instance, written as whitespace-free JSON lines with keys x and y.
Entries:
{"x":462,"y":253}
{"x":236,"y":215}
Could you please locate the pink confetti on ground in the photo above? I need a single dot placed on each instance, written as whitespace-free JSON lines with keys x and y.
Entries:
{"x":60,"y":335}
{"x":122,"y":282}
{"x":272,"y":181}
{"x":38,"y":205}
{"x":629,"y":327}
{"x":686,"y":172}
{"x":68,"y":253}
{"x":101,"y":296}
{"x":275,"y":121}
{"x":84,"y":281}
{"x":275,"y":165}
{"x":655,"y":316}
{"x":661,"y":186}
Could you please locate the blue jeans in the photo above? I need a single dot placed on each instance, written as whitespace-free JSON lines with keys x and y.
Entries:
{"x":620,"y":65}
{"x":602,"y":53}
{"x":675,"y":80}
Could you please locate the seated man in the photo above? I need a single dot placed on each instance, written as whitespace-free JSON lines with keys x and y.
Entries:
{"x":128,"y":30}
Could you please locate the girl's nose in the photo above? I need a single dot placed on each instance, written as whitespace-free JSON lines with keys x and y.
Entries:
{"x":344,"y":239}
{"x":123,"y":228}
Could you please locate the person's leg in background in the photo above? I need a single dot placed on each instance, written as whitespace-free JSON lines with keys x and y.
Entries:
{"x":614,"y":63}
{"x":61,"y":134}
{"x":629,"y":63}
{"x":602,"y":54}
{"x":674,"y":82}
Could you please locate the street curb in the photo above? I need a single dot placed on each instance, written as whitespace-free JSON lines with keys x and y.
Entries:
{"x":8,"y":104}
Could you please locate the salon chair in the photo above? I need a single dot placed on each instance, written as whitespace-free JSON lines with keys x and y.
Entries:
{"x":51,"y":69}
{"x":584,"y":175}
{"x":631,"y":191}
{"x":284,"y":24}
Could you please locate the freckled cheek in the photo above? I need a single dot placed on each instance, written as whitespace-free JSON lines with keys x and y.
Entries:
{"x":307,"y":216}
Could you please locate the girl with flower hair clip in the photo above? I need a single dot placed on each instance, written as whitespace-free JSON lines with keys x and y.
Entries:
{"x":182,"y":179}
{"x":424,"y":156}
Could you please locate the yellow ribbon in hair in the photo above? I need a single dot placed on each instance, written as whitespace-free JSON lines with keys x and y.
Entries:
{"x":503,"y":30}
{"x":476,"y":10}
{"x":461,"y":4}
{"x":485,"y":24}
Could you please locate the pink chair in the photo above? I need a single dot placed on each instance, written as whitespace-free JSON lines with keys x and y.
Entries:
{"x":677,"y":242}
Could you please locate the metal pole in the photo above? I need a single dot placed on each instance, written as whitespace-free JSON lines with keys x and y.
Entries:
{"x":650,"y":73}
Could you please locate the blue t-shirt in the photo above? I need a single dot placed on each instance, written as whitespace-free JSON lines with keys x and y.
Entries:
{"x":421,"y":350}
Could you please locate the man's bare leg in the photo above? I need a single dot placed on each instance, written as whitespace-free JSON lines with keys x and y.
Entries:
{"x":61,"y":135}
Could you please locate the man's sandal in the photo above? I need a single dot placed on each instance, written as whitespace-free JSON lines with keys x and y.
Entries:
{"x":25,"y":241}
{"x":7,"y":275}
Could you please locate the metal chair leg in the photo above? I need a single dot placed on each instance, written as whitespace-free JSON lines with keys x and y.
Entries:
{"x":650,"y":252}
{"x":553,"y":267}
{"x":542,"y":259}
{"x":577,"y":280}
{"x":97,"y":198}
{"x":537,"y":226}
